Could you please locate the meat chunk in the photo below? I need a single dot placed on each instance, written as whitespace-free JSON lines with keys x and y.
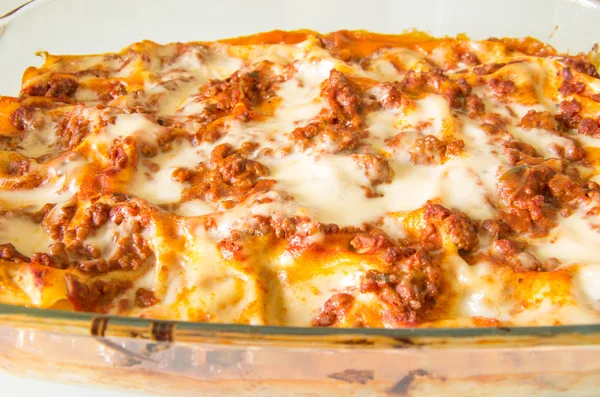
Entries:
{"x":409,"y":289}
{"x":495,"y":228}
{"x":435,"y":81}
{"x":56,"y":86}
{"x":582,"y":64}
{"x":456,"y":226}
{"x":523,"y":187}
{"x":97,"y":214}
{"x":228,"y":176}
{"x":377,"y":169}
{"x":431,"y":150}
{"x":502,"y":87}
{"x":329,"y":138}
{"x":569,"y":113}
{"x":95,"y":296}
{"x":58,"y":255}
{"x":392,"y":97}
{"x":334,"y":310}
{"x":474,"y":106}
{"x":461,"y":231}
{"x":534,"y":193}
{"x":18,"y":167}
{"x":469,"y":58}
{"x":511,"y":253}
{"x":21,"y":116}
{"x":344,"y":103}
{"x":239,"y":94}
{"x":339,"y":127}
{"x":145,"y":298}
{"x":57,"y":221}
{"x":590,"y":127}
{"x":8,"y":252}
{"x":368,"y":243}
{"x":569,"y":190}
{"x":568,"y":86}
{"x":72,"y":128}
{"x":118,"y":157}
{"x":371,"y":240}
{"x":543,"y":120}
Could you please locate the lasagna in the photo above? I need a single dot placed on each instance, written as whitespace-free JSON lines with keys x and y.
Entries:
{"x":349,"y":179}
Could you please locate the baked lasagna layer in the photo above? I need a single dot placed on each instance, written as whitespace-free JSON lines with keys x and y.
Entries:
{"x":292,"y":178}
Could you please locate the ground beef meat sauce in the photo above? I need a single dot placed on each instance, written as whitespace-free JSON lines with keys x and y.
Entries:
{"x":431,"y":150}
{"x":339,"y":127}
{"x":55,"y":86}
{"x":228,"y":178}
{"x":239,"y":95}
{"x":292,"y":178}
{"x":95,"y":297}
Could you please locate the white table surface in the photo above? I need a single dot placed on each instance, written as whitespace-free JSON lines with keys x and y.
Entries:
{"x":15,"y":386}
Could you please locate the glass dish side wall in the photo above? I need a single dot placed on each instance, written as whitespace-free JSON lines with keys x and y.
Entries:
{"x":212,"y":359}
{"x":185,"y":369}
{"x":236,"y":360}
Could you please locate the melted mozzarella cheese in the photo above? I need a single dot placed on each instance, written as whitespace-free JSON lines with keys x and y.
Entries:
{"x":34,"y":199}
{"x":187,"y":73}
{"x":135,"y":125}
{"x":543,"y":141}
{"x":462,"y":188}
{"x":38,"y":141}
{"x":61,"y":184}
{"x":546,"y":311}
{"x":328,"y":184}
{"x":587,"y":281}
{"x":479,"y":293}
{"x":381,"y":128}
{"x":106,"y":238}
{"x":195,"y":207}
{"x":131,"y":125}
{"x":304,"y":295}
{"x":575,"y":240}
{"x":241,"y":217}
{"x":210,"y":289}
{"x":26,"y":235}
{"x":158,"y":186}
{"x":431,"y":116}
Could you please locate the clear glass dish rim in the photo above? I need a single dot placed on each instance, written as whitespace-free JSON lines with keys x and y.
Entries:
{"x":96,"y":324}
{"x":19,"y":10}
{"x":100,"y":325}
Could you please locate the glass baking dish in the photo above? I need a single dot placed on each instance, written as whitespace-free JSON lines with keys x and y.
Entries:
{"x":179,"y":358}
